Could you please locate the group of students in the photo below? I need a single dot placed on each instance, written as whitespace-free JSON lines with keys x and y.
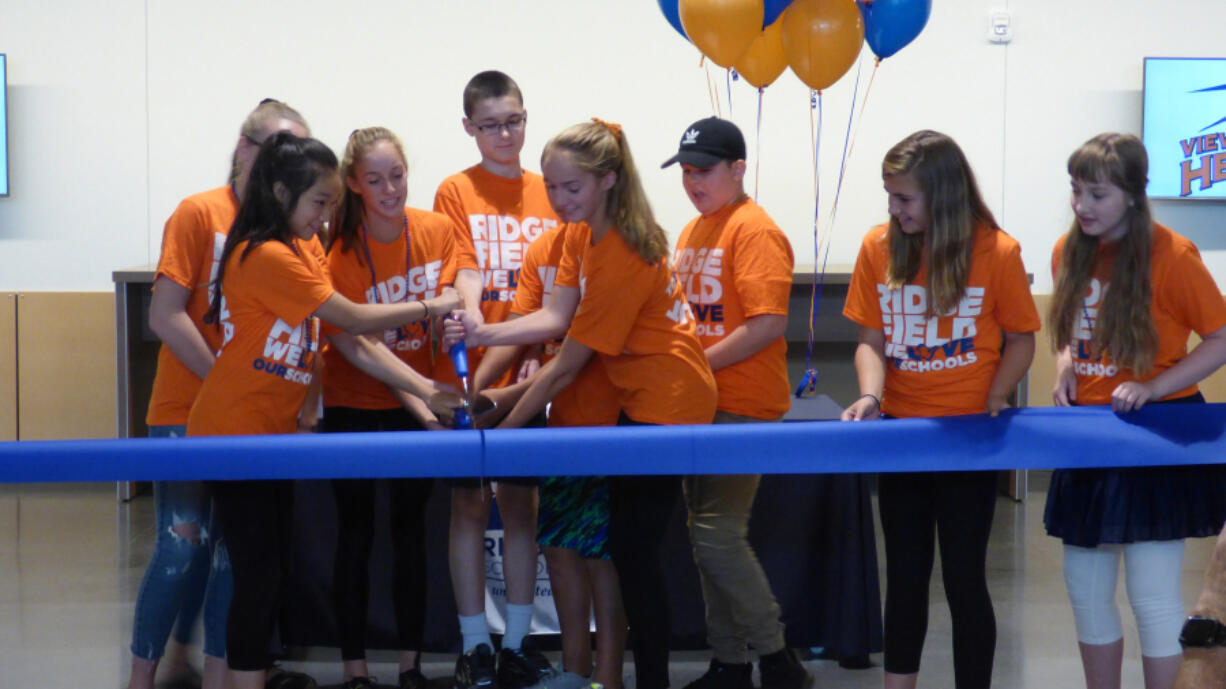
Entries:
{"x":574,"y":314}
{"x":564,"y":287}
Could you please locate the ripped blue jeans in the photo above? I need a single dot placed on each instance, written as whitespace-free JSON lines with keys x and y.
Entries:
{"x":183,"y":573}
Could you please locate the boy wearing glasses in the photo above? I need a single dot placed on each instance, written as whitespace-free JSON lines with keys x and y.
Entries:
{"x":498,"y":208}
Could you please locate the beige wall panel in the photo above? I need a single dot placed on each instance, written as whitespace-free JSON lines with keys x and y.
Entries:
{"x":66,"y":365}
{"x":8,"y":366}
{"x":1213,"y":387}
{"x":1043,"y":369}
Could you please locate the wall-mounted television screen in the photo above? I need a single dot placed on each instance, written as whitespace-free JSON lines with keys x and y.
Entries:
{"x":4,"y":126}
{"x":1184,"y":127}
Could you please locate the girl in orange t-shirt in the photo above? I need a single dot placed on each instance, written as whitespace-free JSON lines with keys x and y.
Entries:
{"x":382,"y":252}
{"x":1128,"y":292}
{"x":272,"y":281}
{"x":933,"y":292}
{"x":616,"y":296}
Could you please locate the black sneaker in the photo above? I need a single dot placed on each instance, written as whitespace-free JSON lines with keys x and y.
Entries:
{"x":476,"y":669}
{"x":188,"y":679}
{"x":287,"y":679}
{"x":413,"y":679}
{"x":782,"y":670}
{"x":523,"y":668}
{"x":359,"y":683}
{"x":725,"y":676}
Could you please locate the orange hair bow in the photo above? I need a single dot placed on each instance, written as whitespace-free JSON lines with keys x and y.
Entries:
{"x":611,"y":126}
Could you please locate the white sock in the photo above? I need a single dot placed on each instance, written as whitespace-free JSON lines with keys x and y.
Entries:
{"x":519,"y":621}
{"x":475,"y":631}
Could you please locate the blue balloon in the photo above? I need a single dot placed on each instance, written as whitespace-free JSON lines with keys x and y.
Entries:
{"x":773,"y":8}
{"x":889,"y":25}
{"x":673,"y":14}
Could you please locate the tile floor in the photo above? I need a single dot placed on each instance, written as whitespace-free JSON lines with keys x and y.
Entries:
{"x":71,"y":559}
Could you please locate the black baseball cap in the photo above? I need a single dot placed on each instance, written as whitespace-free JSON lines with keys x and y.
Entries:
{"x":706,"y":142}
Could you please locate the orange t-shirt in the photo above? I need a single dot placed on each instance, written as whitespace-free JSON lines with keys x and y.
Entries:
{"x":261,"y":376}
{"x":191,"y":247}
{"x":496,"y":220}
{"x":942,"y":366}
{"x":634,"y":315}
{"x":736,"y":264}
{"x":1185,"y":298}
{"x":399,"y":274}
{"x":590,"y":399}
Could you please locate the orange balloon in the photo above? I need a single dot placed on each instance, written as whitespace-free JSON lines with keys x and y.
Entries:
{"x":822,"y":39}
{"x":722,"y":29}
{"x":762,"y":64}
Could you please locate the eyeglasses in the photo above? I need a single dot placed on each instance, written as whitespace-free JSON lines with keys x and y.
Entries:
{"x":512,"y":125}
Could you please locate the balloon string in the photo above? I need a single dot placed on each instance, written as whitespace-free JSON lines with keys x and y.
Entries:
{"x":728,"y":78}
{"x":863,"y":106}
{"x":838,"y":189}
{"x":702,"y":64}
{"x":815,"y":134}
{"x":712,"y":89}
{"x":757,"y":155}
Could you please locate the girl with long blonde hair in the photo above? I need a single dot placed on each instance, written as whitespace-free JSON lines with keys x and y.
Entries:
{"x":632,"y":313}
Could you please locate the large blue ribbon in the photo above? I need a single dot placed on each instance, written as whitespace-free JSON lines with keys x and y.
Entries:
{"x":1017,"y":439}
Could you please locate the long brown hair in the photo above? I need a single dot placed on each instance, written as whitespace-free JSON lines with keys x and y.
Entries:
{"x":955,"y":209}
{"x":347,"y":216}
{"x":601,"y":148}
{"x":1124,"y":328}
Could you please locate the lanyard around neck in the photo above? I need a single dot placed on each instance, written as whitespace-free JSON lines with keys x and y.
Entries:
{"x":370,"y":264}
{"x":401,"y":332}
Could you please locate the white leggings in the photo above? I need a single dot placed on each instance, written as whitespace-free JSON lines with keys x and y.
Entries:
{"x":1152,"y":578}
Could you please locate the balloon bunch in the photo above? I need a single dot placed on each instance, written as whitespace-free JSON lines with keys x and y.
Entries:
{"x":819,"y":39}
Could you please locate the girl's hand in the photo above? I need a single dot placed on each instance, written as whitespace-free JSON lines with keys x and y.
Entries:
{"x":435,"y":426}
{"x":995,"y":404}
{"x":448,"y":300}
{"x":528,"y":368}
{"x":458,"y":325}
{"x":1064,"y":393}
{"x":1130,"y":396}
{"x":446,"y":388}
{"x":863,"y":409}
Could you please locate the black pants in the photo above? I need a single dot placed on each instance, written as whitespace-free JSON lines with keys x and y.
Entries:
{"x":958,"y":507}
{"x":640,"y":509}
{"x":256,"y":517}
{"x":355,"y":509}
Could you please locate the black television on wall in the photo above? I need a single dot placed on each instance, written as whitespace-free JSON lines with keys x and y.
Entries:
{"x":1184,"y":127}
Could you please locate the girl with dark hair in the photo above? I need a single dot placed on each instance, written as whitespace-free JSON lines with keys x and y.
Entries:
{"x":1128,"y":292}
{"x":946,"y":327}
{"x":189,"y":570}
{"x":271,"y":285}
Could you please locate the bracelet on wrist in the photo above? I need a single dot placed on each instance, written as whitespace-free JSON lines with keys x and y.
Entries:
{"x":425,"y":306}
{"x":876,"y":400}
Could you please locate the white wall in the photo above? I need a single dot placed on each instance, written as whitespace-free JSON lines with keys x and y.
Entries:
{"x":120,"y":109}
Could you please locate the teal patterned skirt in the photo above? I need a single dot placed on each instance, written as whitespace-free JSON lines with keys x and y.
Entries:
{"x":574,"y":514}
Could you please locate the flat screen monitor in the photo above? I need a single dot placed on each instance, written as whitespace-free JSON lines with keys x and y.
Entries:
{"x":1184,"y":127}
{"x":4,"y":126}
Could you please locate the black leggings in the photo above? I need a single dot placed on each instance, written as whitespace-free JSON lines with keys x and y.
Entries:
{"x":958,"y":507}
{"x":355,"y":532}
{"x":256,"y":517}
{"x":640,"y":510}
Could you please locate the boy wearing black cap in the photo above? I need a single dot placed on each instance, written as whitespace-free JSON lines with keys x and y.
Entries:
{"x":736,"y":266}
